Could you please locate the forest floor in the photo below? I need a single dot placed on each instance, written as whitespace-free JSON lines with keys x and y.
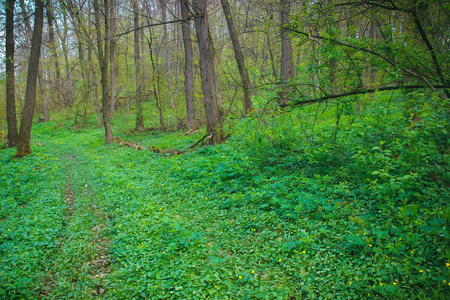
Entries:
{"x":81,"y":220}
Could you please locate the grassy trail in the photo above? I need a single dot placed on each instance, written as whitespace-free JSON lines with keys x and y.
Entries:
{"x":83,"y":253}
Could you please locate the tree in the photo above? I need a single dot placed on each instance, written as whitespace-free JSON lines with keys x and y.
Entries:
{"x":239,"y":56}
{"x":206,"y":50}
{"x":103,"y":44}
{"x":137,"y":66}
{"x":13,"y":135}
{"x":113,"y":55}
{"x":286,"y":50}
{"x":163,"y":7}
{"x":24,"y":142}
{"x":188,"y":68}
{"x":52,"y":47}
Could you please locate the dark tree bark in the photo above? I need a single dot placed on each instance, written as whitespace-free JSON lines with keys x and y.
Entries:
{"x":137,"y":66}
{"x":13,"y":135}
{"x":286,"y":51}
{"x":188,"y":69}
{"x":239,"y":57}
{"x":103,"y":58}
{"x":206,"y":49}
{"x":24,"y":143}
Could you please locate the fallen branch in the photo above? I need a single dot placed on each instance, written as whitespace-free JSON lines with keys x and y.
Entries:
{"x":191,"y":132}
{"x":199,"y":141}
{"x":138,"y":146}
{"x":121,"y":142}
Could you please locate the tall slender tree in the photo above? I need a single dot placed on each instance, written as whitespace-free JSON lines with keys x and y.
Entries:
{"x":188,"y":66}
{"x":286,"y":51}
{"x":239,"y":56}
{"x":163,"y":7}
{"x":103,"y":44}
{"x":206,"y":49}
{"x":113,"y":55}
{"x":13,"y":135}
{"x":137,"y":66}
{"x":24,"y":143}
{"x":54,"y":52}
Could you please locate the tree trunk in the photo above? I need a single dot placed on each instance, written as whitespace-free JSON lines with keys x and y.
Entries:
{"x":24,"y":143}
{"x":239,"y":57}
{"x":65,"y":48}
{"x":13,"y":135}
{"x":42,"y":93}
{"x":188,"y":70}
{"x":90,"y":68}
{"x":52,"y":47}
{"x":286,"y":51}
{"x":156,"y":84}
{"x":206,"y":49}
{"x":178,"y":46}
{"x":95,"y":84}
{"x":137,"y":67}
{"x":103,"y":58}
{"x":113,"y":56}
{"x":163,"y":7}
{"x":29,"y":33}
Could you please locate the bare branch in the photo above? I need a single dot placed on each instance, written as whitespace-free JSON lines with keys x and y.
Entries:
{"x":157,"y":24}
{"x":364,"y":91}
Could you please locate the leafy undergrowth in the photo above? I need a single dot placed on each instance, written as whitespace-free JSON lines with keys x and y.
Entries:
{"x":281,"y":211}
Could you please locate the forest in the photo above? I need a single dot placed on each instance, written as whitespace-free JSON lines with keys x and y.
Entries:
{"x":224,"y":149}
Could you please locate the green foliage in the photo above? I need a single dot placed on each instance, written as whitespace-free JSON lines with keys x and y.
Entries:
{"x":293,"y":206}
{"x":31,"y":221}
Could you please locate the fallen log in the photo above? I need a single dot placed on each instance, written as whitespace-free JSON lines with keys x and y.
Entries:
{"x":138,"y":146}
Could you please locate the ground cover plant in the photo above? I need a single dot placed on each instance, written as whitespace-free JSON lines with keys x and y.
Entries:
{"x":355,"y":209}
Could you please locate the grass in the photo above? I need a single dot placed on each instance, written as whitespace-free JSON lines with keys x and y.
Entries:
{"x":284,"y":210}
